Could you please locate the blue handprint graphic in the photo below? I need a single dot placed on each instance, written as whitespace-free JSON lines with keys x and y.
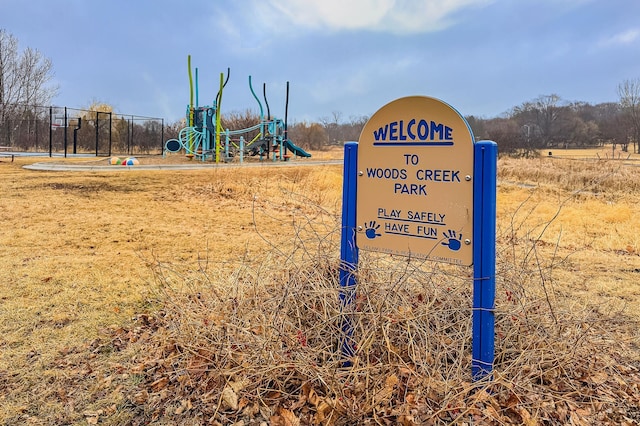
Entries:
{"x":371,"y":230}
{"x":453,"y":240}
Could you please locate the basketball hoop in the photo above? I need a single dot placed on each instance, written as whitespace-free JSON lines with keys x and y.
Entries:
{"x":57,"y":123}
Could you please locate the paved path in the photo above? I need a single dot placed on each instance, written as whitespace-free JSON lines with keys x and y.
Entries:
{"x":88,"y":167}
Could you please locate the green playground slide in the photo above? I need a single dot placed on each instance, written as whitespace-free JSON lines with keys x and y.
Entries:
{"x":296,"y":149}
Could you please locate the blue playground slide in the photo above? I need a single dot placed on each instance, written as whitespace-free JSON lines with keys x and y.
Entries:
{"x":296,"y":149}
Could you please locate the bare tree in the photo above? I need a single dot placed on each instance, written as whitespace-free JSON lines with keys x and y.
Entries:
{"x":511,"y":138}
{"x":547,"y":118}
{"x":549,"y":121}
{"x":24,"y":84}
{"x":351,"y":130}
{"x":236,"y":120}
{"x":331,"y":126}
{"x":9,"y":81}
{"x":629,"y":93}
{"x":37,"y":71}
{"x":309,"y":135}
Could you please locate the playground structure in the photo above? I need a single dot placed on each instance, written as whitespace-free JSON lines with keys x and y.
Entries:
{"x":204,"y":138}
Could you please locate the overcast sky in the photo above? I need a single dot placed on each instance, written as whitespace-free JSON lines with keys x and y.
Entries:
{"x":340,"y":56}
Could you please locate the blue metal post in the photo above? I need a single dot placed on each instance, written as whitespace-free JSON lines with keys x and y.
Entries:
{"x":204,"y":145}
{"x":484,"y":257}
{"x":227,"y":141}
{"x":348,"y":249}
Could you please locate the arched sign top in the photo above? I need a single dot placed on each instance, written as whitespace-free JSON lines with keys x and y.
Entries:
{"x":417,"y":121}
{"x":415,"y":185}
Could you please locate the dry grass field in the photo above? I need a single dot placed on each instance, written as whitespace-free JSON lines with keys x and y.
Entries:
{"x":211,"y":297}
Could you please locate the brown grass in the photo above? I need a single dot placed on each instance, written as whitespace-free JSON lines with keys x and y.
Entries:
{"x":211,"y":297}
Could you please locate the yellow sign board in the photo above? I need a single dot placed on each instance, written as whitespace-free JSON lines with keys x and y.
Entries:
{"x":415,"y":182}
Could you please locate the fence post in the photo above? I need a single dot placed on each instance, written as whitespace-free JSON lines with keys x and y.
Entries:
{"x":110,"y":126}
{"x":97,"y":131}
{"x":50,"y":131}
{"x":65,"y":132}
{"x":162,"y":137}
{"x":130,"y":134}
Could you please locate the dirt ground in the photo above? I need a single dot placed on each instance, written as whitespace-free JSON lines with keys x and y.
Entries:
{"x":77,"y":252}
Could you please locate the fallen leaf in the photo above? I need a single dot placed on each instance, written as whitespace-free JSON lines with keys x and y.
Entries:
{"x":138,"y":368}
{"x":239,"y":385}
{"x":384,"y":394}
{"x":313,"y":397}
{"x":583,"y":412}
{"x":141,"y":397}
{"x":526,"y":417}
{"x":322,"y":409}
{"x":160,"y":384}
{"x":229,"y":398}
{"x":576,"y":420}
{"x":276,"y":421}
{"x":92,"y":417}
{"x":482,"y":395}
{"x":288,"y":417}
{"x":407,"y":420}
{"x":185,"y":405}
{"x":491,"y":413}
{"x":599,"y":377}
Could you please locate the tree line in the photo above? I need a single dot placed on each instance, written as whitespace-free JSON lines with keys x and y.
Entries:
{"x":548,"y":121}
{"x":545,"y":122}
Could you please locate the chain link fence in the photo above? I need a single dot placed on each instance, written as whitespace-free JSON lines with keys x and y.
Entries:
{"x":67,"y":131}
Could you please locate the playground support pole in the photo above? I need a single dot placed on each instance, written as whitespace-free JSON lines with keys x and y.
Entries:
{"x":257,"y":100}
{"x":264,"y":94}
{"x":484,"y":258}
{"x":218,"y":113}
{"x":227,"y":141}
{"x":191,"y":121}
{"x":261,"y":111}
{"x":348,"y":249}
{"x":190,"y":92}
{"x":197,"y":102}
{"x":241,"y":149}
{"x":286,"y":115}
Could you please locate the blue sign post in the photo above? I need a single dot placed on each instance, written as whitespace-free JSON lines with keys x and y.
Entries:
{"x":484,"y":257}
{"x":348,"y":249}
{"x":483,"y":212}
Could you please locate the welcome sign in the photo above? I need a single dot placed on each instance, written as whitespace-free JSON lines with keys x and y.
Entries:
{"x":415,"y":182}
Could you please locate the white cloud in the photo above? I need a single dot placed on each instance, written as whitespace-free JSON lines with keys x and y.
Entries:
{"x":392,"y":16}
{"x":623,"y":38}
